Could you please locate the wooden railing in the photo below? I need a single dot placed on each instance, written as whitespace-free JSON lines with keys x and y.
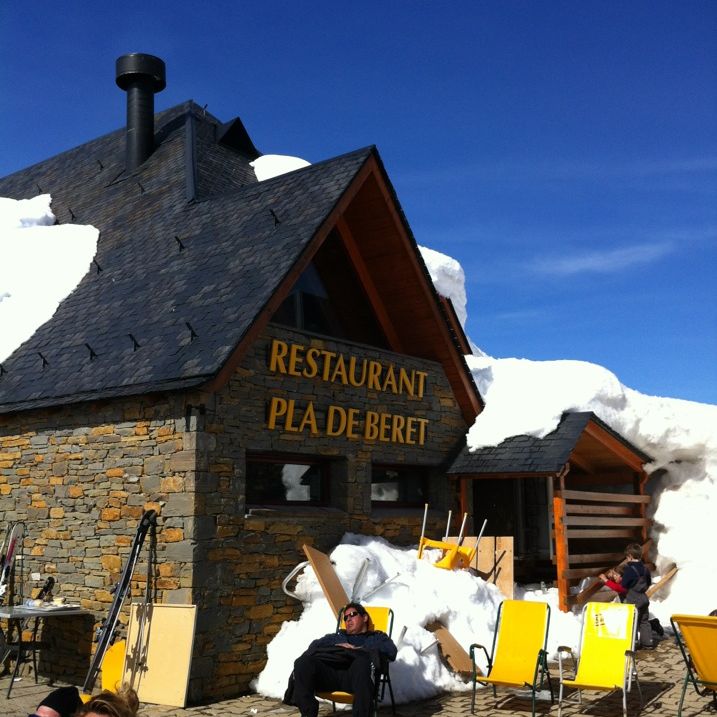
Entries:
{"x":584,"y":515}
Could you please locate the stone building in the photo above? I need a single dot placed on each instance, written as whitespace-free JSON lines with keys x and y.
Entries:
{"x":266,"y":364}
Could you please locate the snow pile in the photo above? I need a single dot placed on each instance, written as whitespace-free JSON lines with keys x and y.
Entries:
{"x":41,"y":264}
{"x":419,"y":595}
{"x":272,"y":165}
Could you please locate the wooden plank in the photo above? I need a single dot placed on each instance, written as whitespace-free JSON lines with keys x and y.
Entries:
{"x":603,"y":497}
{"x":493,"y":561}
{"x":453,"y":653}
{"x":662,"y":581}
{"x":159,"y":652}
{"x":602,"y":533}
{"x":612,"y":521}
{"x":561,"y":551}
{"x":578,"y":509}
{"x":580,"y":573}
{"x":328,"y":579}
{"x":609,"y":558}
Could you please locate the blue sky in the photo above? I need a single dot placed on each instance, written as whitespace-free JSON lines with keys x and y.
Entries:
{"x":565,"y":153}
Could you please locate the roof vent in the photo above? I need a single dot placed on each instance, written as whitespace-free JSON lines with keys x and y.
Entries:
{"x":140,"y":76}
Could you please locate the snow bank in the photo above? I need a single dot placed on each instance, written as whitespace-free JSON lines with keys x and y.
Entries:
{"x":41,"y":264}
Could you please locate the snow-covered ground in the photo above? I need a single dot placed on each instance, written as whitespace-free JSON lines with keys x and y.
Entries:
{"x":42,"y":263}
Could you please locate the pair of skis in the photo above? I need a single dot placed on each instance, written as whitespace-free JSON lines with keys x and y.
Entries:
{"x":9,"y":549}
{"x":106,"y":633}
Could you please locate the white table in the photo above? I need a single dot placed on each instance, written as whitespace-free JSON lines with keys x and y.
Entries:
{"x":17,"y":618}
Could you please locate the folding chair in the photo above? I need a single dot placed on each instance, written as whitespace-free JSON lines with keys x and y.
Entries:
{"x":518,"y":656}
{"x":607,"y":652}
{"x":380,"y":618}
{"x":454,"y":555}
{"x":697,"y":637}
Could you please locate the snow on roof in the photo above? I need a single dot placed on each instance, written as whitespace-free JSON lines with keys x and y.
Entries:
{"x":272,"y":165}
{"x":41,"y":264}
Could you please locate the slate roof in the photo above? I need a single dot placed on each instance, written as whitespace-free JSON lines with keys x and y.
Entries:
{"x":528,"y":454}
{"x":191,"y":248}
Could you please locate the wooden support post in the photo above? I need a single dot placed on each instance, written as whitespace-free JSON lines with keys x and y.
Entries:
{"x":561,"y":552}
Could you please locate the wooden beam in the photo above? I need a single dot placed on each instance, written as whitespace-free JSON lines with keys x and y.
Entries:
{"x":610,"y":521}
{"x":602,"y":533}
{"x":610,"y":558}
{"x":579,"y":462}
{"x":576,"y":509}
{"x":584,"y":495}
{"x":372,"y":293}
{"x":662,"y":581}
{"x":561,"y":552}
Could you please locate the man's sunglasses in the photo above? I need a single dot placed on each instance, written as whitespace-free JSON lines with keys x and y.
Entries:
{"x":349,"y":615}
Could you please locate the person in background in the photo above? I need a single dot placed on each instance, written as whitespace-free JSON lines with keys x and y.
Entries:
{"x":346,"y":660}
{"x":613,"y":580}
{"x":62,"y":702}
{"x":636,"y":579}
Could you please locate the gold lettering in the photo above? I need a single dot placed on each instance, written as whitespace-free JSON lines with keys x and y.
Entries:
{"x":384,"y":428}
{"x":328,"y":355}
{"x":352,"y":423}
{"x":312,"y":367}
{"x":340,"y":369}
{"x":370,"y":429}
{"x":374,"y":376}
{"x":390,"y":380}
{"x":352,"y":372}
{"x":397,"y":429}
{"x":289,"y":422}
{"x":279,"y":349}
{"x":335,"y":411}
{"x":422,"y":422}
{"x":411,"y":431}
{"x":406,"y":381}
{"x":421,"y":382}
{"x":277,"y":408}
{"x":310,"y":420}
{"x":295,"y":360}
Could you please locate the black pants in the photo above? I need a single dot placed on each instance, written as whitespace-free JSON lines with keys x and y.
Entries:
{"x":311,"y":675}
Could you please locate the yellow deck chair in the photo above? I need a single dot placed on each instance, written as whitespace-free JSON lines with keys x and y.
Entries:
{"x":518,"y":656}
{"x":454,"y":555}
{"x":697,"y":637}
{"x":380,"y":618}
{"x":607,"y":652}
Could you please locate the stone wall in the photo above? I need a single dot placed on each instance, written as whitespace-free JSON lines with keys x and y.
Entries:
{"x":80,"y":478}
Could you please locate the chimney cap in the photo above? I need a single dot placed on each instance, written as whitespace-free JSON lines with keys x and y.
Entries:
{"x":136,"y":66}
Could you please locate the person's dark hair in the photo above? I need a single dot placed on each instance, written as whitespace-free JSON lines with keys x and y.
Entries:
{"x":713,"y":613}
{"x":360,"y":609}
{"x":634,"y":551}
{"x":64,"y":700}
{"x":124,"y":703}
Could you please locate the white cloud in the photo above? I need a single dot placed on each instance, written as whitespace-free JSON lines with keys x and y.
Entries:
{"x":604,"y":262}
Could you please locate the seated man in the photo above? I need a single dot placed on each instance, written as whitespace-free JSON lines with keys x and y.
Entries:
{"x":346,"y":660}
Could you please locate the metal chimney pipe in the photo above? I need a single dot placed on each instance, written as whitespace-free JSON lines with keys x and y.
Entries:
{"x":140,"y":76}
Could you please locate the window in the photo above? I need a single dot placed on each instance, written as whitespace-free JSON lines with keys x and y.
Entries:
{"x":399,"y":485}
{"x":281,"y":480}
{"x":308,"y":307}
